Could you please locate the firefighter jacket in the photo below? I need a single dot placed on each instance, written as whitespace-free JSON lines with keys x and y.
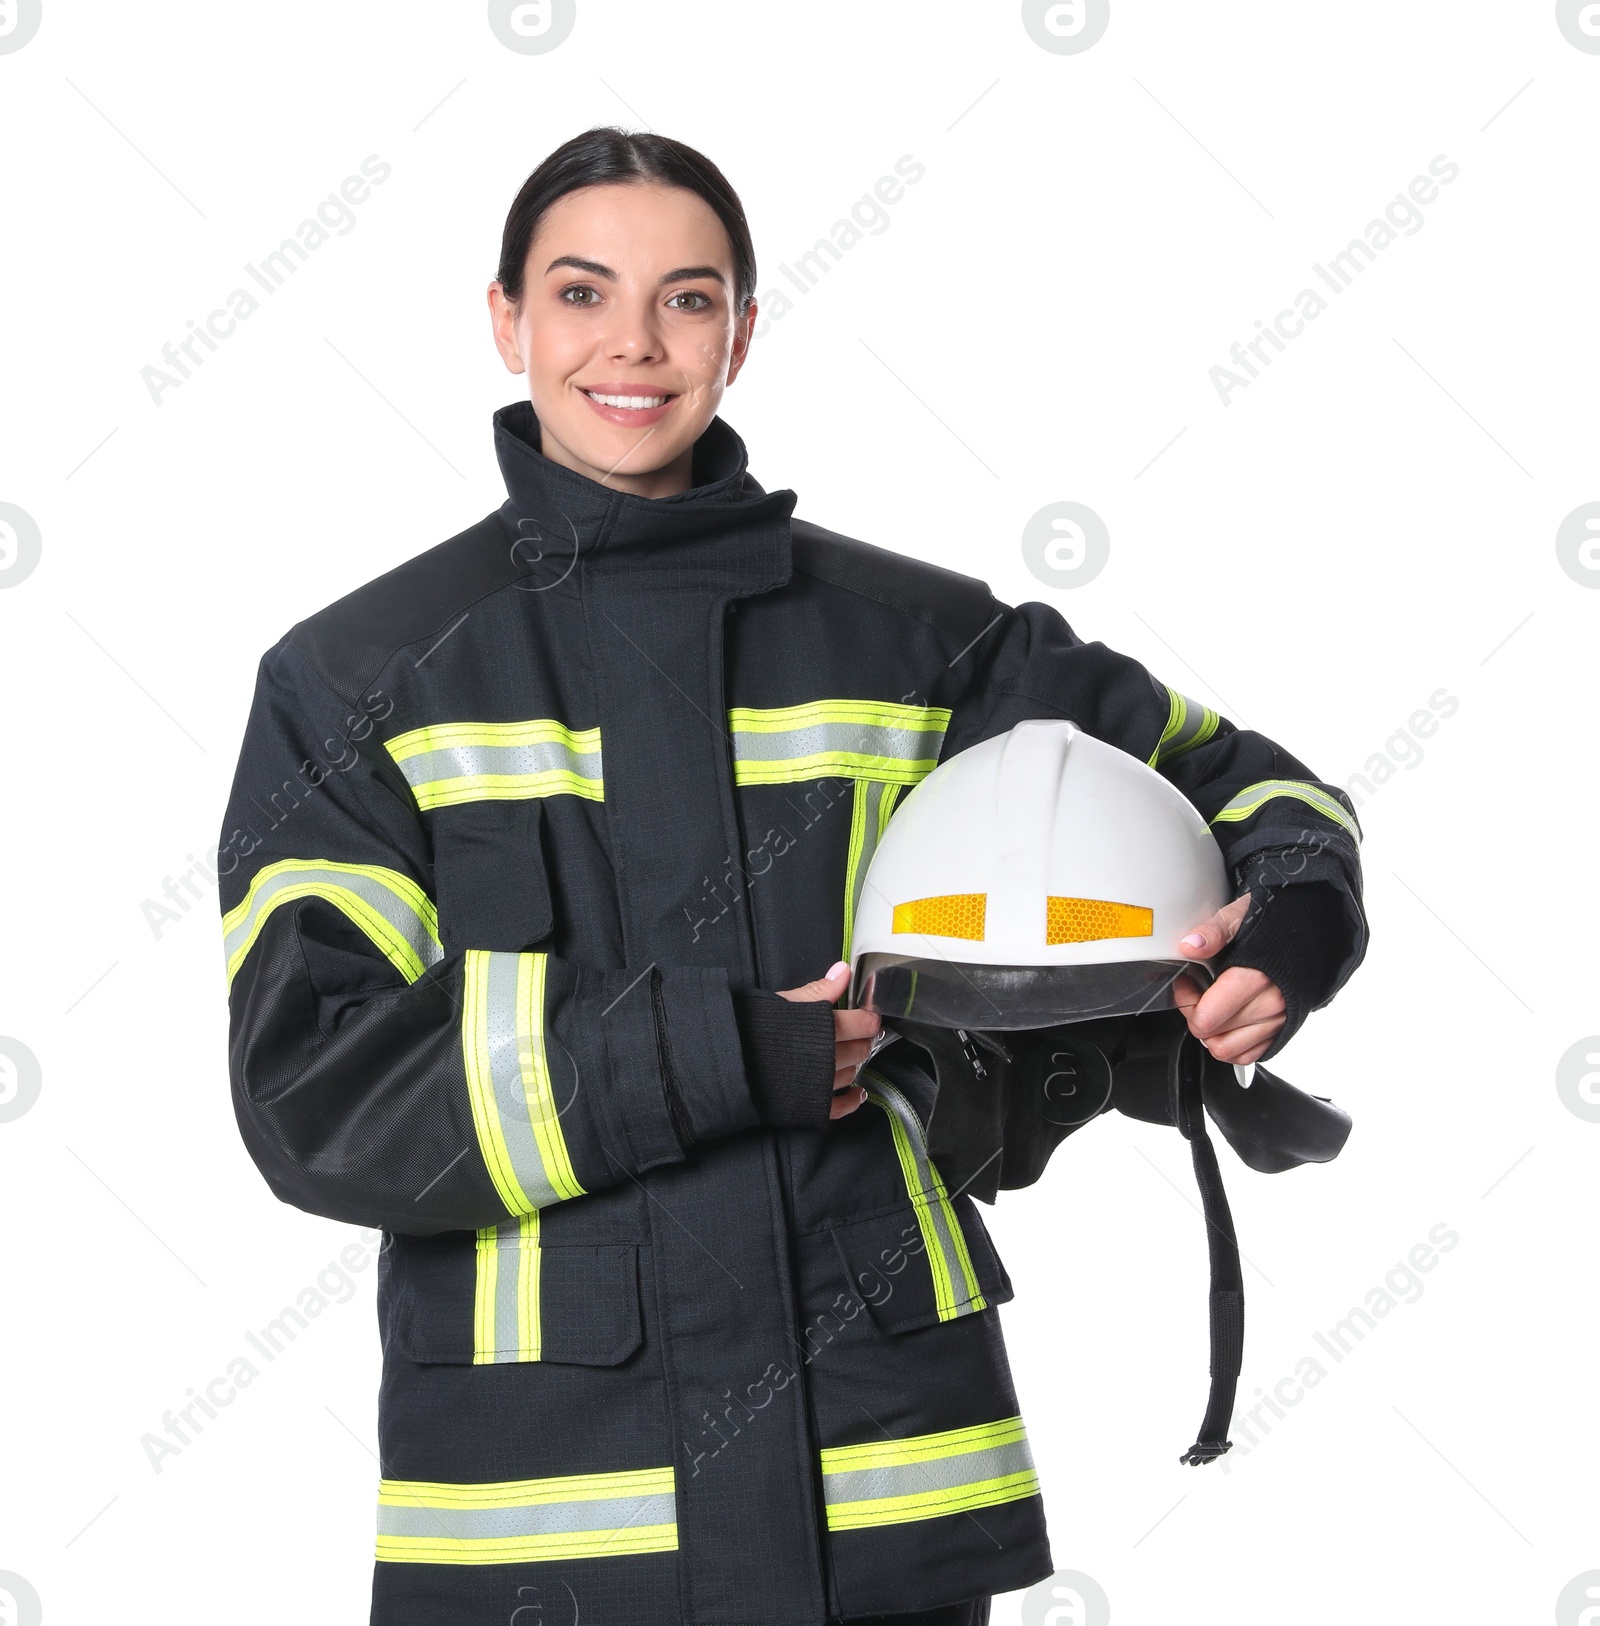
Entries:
{"x":512,"y":825}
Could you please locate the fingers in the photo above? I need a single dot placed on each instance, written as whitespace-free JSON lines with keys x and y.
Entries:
{"x":1239,"y":995}
{"x":853,"y":1033}
{"x":1238,"y":1016}
{"x":1247,"y":1044}
{"x":846,"y":1101}
{"x":848,"y":1055}
{"x":830,"y":986}
{"x":856,"y":1025}
{"x":1217,"y":932}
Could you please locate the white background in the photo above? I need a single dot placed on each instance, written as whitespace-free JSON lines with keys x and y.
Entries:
{"x":1371,"y":521}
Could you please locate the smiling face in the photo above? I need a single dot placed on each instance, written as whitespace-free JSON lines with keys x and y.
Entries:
{"x":626,"y":330}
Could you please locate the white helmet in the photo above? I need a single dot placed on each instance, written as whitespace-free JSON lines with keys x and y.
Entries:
{"x":1040,"y":877}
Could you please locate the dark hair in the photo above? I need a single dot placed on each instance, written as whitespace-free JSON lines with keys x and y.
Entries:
{"x":608,"y":153}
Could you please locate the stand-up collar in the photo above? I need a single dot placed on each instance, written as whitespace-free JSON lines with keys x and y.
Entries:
{"x":725,"y":532}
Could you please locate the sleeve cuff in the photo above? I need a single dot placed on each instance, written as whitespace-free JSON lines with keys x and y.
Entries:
{"x":1298,"y":937}
{"x":702,"y":1064}
{"x":788,"y":1058}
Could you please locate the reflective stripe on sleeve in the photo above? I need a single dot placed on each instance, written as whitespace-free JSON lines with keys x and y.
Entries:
{"x":1188,"y":724}
{"x":508,"y":1080}
{"x":506,"y":1324}
{"x":448,"y":763}
{"x":955,"y":1283}
{"x":1253,"y":797}
{"x":526,"y":1521}
{"x":927,"y":1476}
{"x":848,"y":739}
{"x":389,"y":907}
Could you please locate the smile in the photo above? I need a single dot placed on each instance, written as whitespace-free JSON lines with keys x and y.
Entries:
{"x":629,"y":403}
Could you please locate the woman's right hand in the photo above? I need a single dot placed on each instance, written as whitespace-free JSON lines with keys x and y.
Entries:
{"x":853,"y":1033}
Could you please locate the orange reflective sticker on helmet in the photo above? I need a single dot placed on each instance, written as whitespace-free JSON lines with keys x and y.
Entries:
{"x":960,"y":914}
{"x":1084,"y":920}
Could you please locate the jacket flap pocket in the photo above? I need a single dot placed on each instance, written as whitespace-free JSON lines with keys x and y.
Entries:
{"x":489,"y":874}
{"x":928,"y":1262}
{"x":498,"y":1295}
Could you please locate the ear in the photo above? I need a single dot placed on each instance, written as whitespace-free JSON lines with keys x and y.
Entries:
{"x":744,"y":327}
{"x":503,"y":323}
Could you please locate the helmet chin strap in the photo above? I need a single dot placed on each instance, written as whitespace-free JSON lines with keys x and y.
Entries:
{"x":1005,"y":1100}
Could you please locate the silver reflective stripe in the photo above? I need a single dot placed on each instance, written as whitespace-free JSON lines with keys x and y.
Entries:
{"x":1253,"y":797}
{"x":504,"y":1049}
{"x":848,"y":739}
{"x":872,"y":803}
{"x":449,"y":763}
{"x":389,"y":907}
{"x":506,"y":1308}
{"x":955,"y":1283}
{"x":838,"y":739}
{"x":549,"y":1518}
{"x":477,"y":761}
{"x":1188,"y":724}
{"x":934,"y":1474}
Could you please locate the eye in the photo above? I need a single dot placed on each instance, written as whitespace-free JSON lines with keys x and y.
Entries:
{"x":580,"y":288}
{"x":693,"y":293}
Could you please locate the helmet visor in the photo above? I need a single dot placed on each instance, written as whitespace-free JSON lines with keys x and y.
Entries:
{"x":946,"y":994}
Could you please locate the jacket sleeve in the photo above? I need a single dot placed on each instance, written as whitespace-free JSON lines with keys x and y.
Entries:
{"x":380,"y":1080}
{"x":1277,"y":824}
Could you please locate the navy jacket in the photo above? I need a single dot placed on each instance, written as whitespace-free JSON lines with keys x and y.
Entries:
{"x":514,"y":828}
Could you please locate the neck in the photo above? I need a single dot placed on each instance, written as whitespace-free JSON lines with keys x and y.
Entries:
{"x":670,"y":478}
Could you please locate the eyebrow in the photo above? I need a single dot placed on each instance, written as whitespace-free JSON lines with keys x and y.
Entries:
{"x":684,"y":273}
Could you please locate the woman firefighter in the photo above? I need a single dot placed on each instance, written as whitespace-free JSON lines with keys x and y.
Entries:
{"x":530,"y":968}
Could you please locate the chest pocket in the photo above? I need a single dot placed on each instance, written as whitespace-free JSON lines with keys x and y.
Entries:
{"x":482,"y":786}
{"x":489,"y":874}
{"x":883,"y":747}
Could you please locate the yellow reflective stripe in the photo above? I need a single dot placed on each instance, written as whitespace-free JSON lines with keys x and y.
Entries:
{"x":449,"y":763}
{"x":526,"y":1521}
{"x":833,"y":765}
{"x":480,"y":1081}
{"x":872,"y":739}
{"x":389,"y":907}
{"x":541,"y":1097}
{"x":1253,"y":797}
{"x":511,"y":1493}
{"x":508,"y":1080}
{"x":927,"y":1476}
{"x":871,"y":803}
{"x":942,"y":1237}
{"x":536,"y":1549}
{"x":815,"y":713}
{"x":933,"y":1504}
{"x":485,"y":1297}
{"x":1188,"y":724}
{"x":950,"y":1442}
{"x":486,"y":787}
{"x":453,"y":736}
{"x":530,"y":1333}
{"x":506,"y":1317}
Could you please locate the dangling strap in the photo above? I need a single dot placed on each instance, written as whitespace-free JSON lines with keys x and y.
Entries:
{"x":1227,"y":1280}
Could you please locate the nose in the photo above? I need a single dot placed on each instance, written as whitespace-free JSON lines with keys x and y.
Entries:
{"x":634,"y":334}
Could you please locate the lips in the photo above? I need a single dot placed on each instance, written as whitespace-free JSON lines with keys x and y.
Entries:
{"x":634,"y":405}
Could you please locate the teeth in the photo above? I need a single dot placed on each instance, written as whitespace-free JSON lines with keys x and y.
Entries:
{"x":633,"y":403}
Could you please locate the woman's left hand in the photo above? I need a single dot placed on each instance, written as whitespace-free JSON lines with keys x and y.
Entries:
{"x":1239,"y":1015}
